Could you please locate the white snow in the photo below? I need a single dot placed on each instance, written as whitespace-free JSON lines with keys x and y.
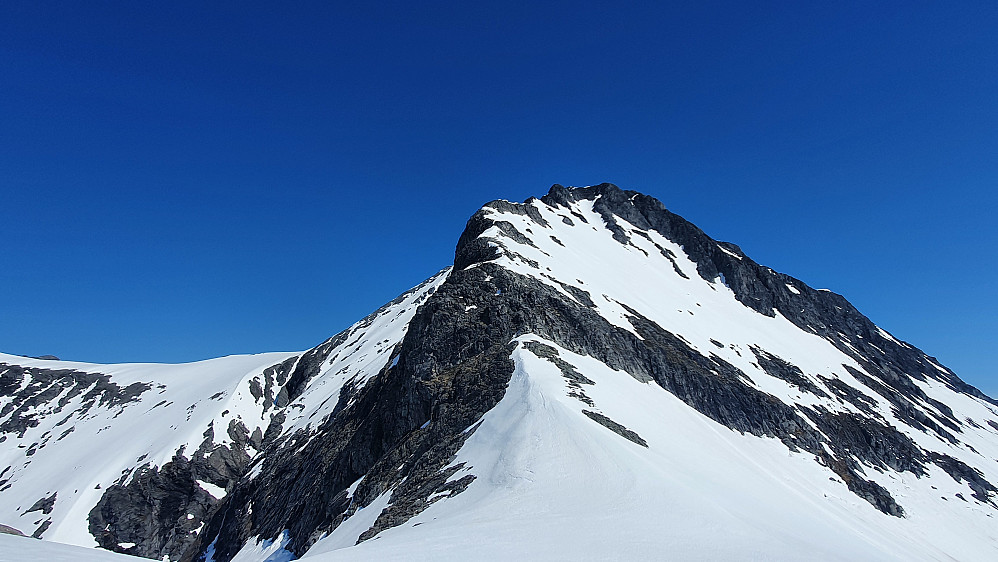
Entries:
{"x":729,"y":252}
{"x":256,"y":550}
{"x":888,"y":336}
{"x":105,"y":445}
{"x":14,"y":548}
{"x":691,"y":306}
{"x":368,"y":350}
{"x":554,"y":484}
{"x":349,"y":531}
{"x":216,"y":491}
{"x":108,"y":443}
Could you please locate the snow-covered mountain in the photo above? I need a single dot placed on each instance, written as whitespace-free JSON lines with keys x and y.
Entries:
{"x":135,"y":457}
{"x":594,"y":378}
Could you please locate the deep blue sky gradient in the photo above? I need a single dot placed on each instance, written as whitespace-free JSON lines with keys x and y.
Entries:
{"x":183,"y":181}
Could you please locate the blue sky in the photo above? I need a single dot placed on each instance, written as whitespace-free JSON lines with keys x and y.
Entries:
{"x":183,"y":181}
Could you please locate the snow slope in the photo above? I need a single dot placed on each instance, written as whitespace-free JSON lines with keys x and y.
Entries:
{"x":103,"y":444}
{"x":554,"y":485}
{"x":13,"y":548}
{"x":78,"y":442}
{"x":706,"y":313}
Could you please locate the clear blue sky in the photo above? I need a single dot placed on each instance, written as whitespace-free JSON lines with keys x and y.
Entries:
{"x":180,"y":181}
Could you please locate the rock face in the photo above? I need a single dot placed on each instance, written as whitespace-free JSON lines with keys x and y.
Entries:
{"x":151,"y":513}
{"x":374,"y":419}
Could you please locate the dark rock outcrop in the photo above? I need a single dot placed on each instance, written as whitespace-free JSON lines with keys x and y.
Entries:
{"x":44,"y":386}
{"x":44,"y":505}
{"x":157,"y":511}
{"x":615,"y":427}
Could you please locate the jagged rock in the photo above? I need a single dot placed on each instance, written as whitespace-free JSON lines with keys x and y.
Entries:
{"x":157,"y":510}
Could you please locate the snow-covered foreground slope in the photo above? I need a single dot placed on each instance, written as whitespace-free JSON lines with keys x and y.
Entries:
{"x":16,"y":549}
{"x":72,"y":431}
{"x":553,"y":484}
{"x":595,"y":378}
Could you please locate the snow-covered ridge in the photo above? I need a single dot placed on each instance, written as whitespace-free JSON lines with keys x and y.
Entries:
{"x":582,"y":257}
{"x":626,"y":273}
{"x":70,"y":431}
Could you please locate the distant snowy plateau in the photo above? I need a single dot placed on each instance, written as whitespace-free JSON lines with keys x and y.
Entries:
{"x":594,"y":378}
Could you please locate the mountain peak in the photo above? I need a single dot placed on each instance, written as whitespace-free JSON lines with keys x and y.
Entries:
{"x":594,"y":376}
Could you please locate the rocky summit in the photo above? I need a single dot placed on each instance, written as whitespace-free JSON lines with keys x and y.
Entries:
{"x":594,"y":377}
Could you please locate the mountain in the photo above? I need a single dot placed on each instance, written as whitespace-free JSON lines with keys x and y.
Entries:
{"x":594,"y":377}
